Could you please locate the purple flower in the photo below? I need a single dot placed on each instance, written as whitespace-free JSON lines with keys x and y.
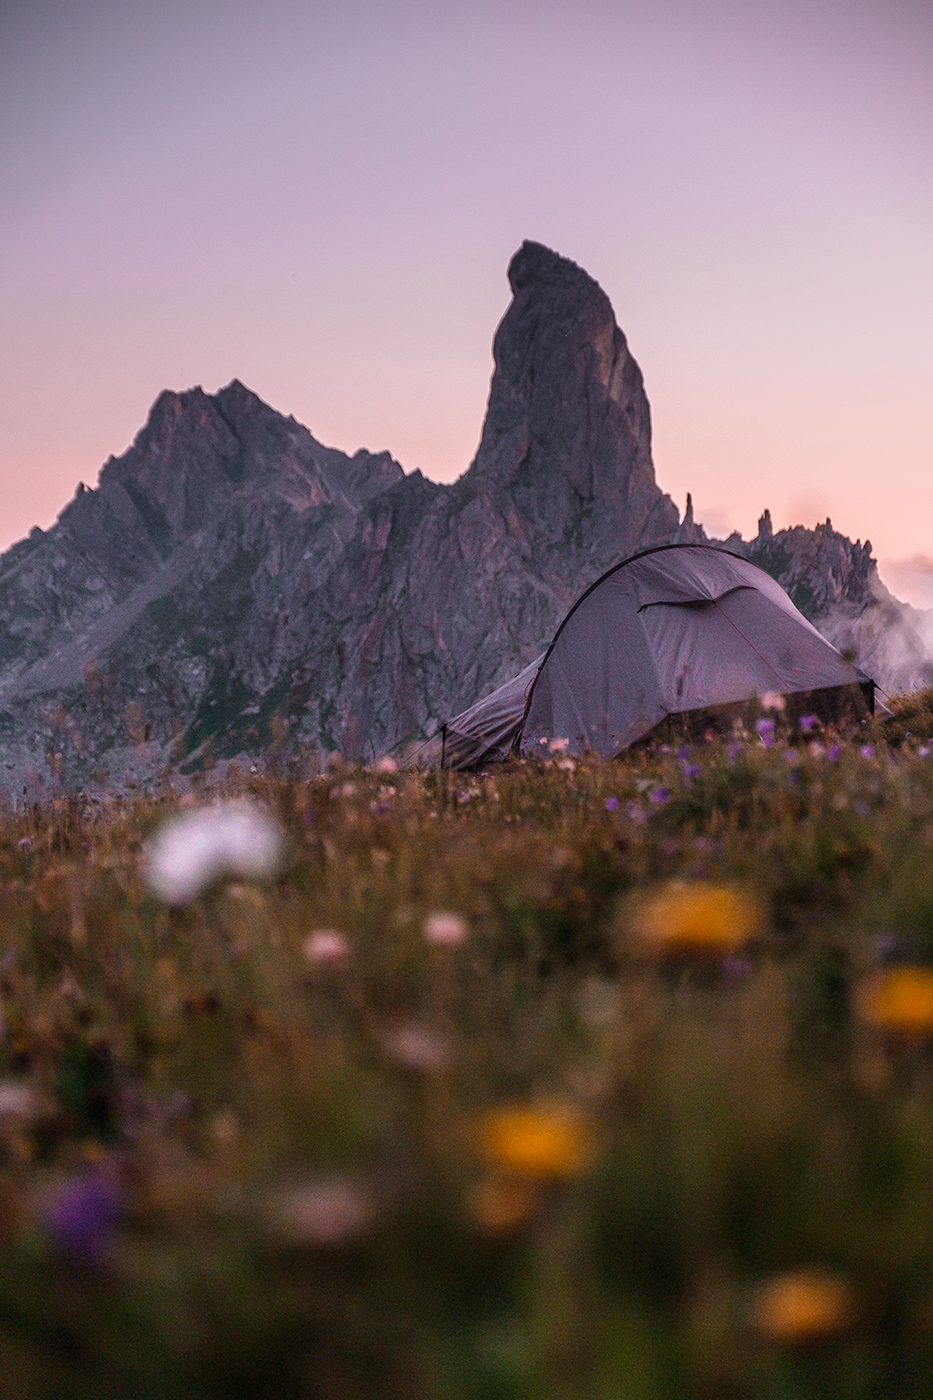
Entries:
{"x":611,"y":804}
{"x":807,"y":722}
{"x":765,"y":729}
{"x":733,"y":751}
{"x":683,"y":753}
{"x":867,"y":750}
{"x":923,"y":751}
{"x":834,"y":753}
{"x":690,"y":770}
{"x":861,"y":807}
{"x":660,"y":795}
{"x":81,"y":1216}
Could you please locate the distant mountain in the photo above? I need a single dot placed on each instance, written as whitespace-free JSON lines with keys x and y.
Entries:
{"x":231,"y":585}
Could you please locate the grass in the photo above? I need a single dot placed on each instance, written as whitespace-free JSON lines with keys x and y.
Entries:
{"x":548,"y":1158}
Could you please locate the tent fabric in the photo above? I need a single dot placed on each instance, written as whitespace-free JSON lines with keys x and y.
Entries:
{"x":677,"y":630}
{"x":488,"y":730}
{"x":680,"y":629}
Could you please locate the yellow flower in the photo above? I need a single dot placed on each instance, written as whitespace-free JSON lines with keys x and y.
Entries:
{"x":700,"y":919}
{"x":544,"y":1143}
{"x":805,"y":1305}
{"x":899,"y":1000}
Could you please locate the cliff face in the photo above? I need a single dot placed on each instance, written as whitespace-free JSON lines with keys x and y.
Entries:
{"x":231,"y":585}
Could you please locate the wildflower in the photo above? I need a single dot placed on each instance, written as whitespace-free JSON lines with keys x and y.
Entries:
{"x":325,"y":945}
{"x":611,"y":804}
{"x":558,"y":746}
{"x":899,"y":1000}
{"x":867,"y":751}
{"x":834,"y":753}
{"x":323,"y":1214}
{"x":17,"y":1101}
{"x":805,"y":1305}
{"x":816,"y":749}
{"x":807,"y":722}
{"x":773,"y":700}
{"x":699,"y":919}
{"x":690,"y":770}
{"x":417,"y":1048}
{"x":660,"y":796}
{"x":191,"y":851}
{"x":80,"y":1216}
{"x":635,"y":812}
{"x":385,"y":764}
{"x":923,"y":751}
{"x":733,"y":751}
{"x":444,"y":929}
{"x":501,"y":1206}
{"x":765,"y":728}
{"x":567,"y":764}
{"x":548,"y":1143}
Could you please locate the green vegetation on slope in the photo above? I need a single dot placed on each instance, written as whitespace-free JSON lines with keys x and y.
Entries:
{"x":571,"y":1081}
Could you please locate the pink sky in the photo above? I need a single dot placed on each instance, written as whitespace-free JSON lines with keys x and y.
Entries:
{"x":321,"y":199}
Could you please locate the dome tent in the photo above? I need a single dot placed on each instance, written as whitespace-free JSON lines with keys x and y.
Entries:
{"x":683,"y":631}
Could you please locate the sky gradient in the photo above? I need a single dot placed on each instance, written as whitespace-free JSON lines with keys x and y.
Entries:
{"x":321,"y":200}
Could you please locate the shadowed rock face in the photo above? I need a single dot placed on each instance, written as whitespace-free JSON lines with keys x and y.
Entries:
{"x":232,"y":583}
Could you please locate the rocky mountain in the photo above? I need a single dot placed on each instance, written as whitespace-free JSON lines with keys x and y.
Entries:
{"x":231,"y":585}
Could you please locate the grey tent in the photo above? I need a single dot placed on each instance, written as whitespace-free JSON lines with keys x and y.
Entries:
{"x":686,"y":632}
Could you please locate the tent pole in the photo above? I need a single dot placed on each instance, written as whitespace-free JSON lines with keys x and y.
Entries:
{"x":443,"y":745}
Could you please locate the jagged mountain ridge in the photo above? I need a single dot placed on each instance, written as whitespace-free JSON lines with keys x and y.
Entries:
{"x":232,"y":582}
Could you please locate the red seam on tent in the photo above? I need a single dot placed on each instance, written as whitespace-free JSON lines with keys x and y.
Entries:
{"x":738,"y":629}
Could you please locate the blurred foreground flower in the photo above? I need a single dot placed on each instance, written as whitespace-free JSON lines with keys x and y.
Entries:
{"x":696,"y":920}
{"x":547,"y":1143}
{"x":805,"y":1305}
{"x":417,"y":1047}
{"x":323,"y":1214}
{"x":899,"y":1000}
{"x":325,"y":945}
{"x":189,"y":852}
{"x":446,"y":930}
{"x":80,"y":1216}
{"x":18,"y":1101}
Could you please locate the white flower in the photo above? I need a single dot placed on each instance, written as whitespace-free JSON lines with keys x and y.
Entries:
{"x":558,"y":745}
{"x":325,"y":945}
{"x":772,"y":700}
{"x":418,"y":1048}
{"x":190,"y":852}
{"x":17,"y":1100}
{"x":385,"y":764}
{"x":326,"y":1213}
{"x":446,"y":930}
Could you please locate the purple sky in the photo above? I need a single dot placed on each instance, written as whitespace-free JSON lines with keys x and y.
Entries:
{"x":321,"y":199}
